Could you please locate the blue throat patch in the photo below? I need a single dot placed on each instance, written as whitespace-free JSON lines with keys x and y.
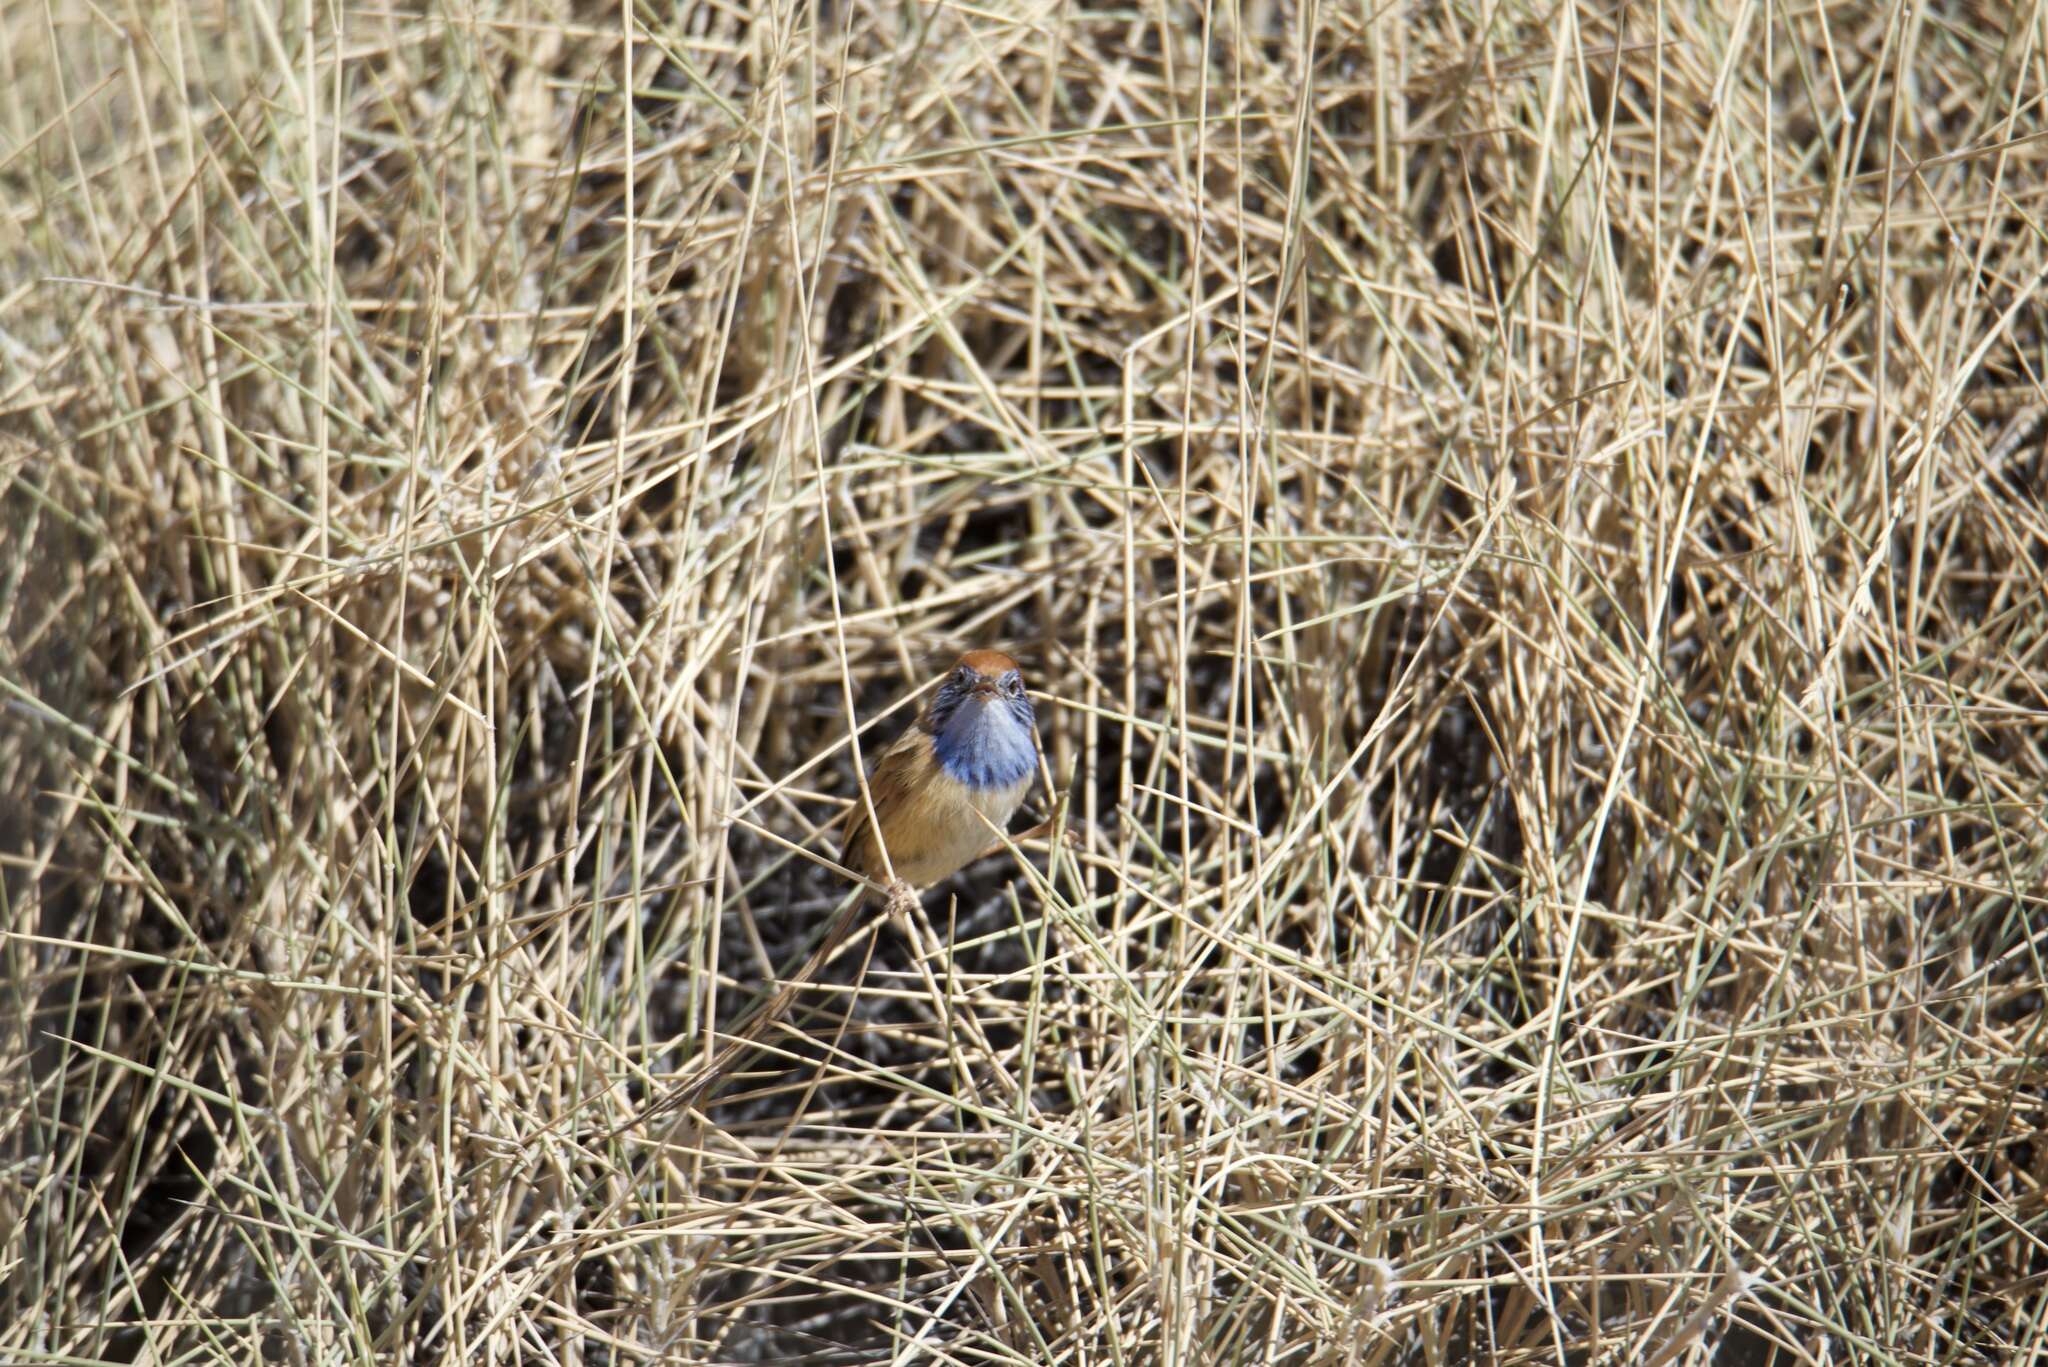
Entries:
{"x":987,"y":745}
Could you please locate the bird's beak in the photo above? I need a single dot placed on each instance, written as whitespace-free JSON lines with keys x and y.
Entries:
{"x":985,"y":690}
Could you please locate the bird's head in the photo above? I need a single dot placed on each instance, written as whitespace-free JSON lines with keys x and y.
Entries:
{"x":986,"y":675}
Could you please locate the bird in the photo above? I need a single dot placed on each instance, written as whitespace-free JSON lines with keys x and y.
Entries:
{"x":937,"y":792}
{"x":971,"y":754}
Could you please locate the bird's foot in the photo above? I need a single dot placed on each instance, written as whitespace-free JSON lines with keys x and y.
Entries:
{"x":902,"y":899}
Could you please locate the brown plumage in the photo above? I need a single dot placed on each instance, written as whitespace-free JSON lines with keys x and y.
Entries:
{"x":932,"y":826}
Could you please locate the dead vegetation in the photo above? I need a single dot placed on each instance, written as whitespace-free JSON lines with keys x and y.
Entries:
{"x":1505,"y":508}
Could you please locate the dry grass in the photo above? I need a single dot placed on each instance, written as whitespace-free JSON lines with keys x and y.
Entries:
{"x":1505,"y":507}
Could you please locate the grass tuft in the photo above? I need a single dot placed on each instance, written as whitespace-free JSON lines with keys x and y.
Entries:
{"x":1525,"y":523}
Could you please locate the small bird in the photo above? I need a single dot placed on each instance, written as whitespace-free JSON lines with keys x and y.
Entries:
{"x":972,"y":754}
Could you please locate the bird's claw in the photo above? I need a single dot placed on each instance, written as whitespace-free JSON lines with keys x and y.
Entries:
{"x":902,"y":898}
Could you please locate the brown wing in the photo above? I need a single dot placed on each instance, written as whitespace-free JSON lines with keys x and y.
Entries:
{"x":892,"y":783}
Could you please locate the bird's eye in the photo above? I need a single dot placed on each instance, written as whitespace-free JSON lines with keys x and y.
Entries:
{"x":1014,"y":686}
